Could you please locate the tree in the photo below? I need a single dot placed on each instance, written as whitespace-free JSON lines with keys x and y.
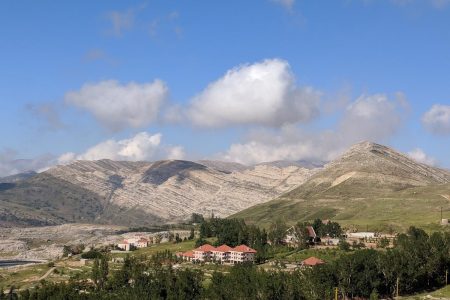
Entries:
{"x":383,"y":243}
{"x":277,"y":232}
{"x":197,"y":218}
{"x":200,"y":242}
{"x":96,"y":272}
{"x":344,"y":245}
{"x":177,"y":238}
{"x":192,"y":234}
{"x":103,"y":271}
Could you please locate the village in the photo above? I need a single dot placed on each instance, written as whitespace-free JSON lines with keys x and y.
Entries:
{"x":228,"y":255}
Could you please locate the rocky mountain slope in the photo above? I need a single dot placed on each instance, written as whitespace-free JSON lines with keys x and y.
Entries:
{"x":142,"y":193}
{"x":369,"y":184}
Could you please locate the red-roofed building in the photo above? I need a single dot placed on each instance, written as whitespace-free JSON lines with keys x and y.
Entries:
{"x":312,"y":261}
{"x":188,"y":256}
{"x":222,"y":253}
{"x":241,"y":254}
{"x":204,"y":252}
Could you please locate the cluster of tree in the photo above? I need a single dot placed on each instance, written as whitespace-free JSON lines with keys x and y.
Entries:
{"x":73,"y":249}
{"x":329,"y":228}
{"x":418,"y":262}
{"x":234,"y":232}
{"x":92,"y":254}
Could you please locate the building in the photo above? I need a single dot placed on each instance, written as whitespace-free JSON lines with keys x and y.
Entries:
{"x":241,"y":254}
{"x":204,"y":252}
{"x":141,"y":243}
{"x":312,"y":261}
{"x":187,"y":256}
{"x":128,"y":244}
{"x":125,"y":245}
{"x":224,"y":254}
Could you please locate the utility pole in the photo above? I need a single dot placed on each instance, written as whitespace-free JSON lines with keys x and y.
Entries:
{"x":336,"y":290}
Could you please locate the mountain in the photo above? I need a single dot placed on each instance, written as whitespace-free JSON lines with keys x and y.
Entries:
{"x":17,"y":177}
{"x":141,"y":193}
{"x":297,"y":163}
{"x":370,"y":185}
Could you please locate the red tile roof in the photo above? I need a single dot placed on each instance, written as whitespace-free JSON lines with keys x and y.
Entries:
{"x":313,"y":261}
{"x":224,"y":248}
{"x":206,"y":248}
{"x":188,"y":254}
{"x":244,"y":248}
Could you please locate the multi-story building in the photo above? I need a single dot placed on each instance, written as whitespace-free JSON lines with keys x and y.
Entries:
{"x":224,"y":254}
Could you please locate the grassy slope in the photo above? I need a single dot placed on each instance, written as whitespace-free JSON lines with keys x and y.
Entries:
{"x":413,"y":206}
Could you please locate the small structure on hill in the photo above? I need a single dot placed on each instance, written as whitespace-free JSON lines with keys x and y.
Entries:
{"x":312,"y":262}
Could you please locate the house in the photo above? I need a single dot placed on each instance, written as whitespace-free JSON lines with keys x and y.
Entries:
{"x":141,"y":243}
{"x":361,"y":235}
{"x":131,"y":243}
{"x":312,"y":261}
{"x":125,"y":245}
{"x":313,"y":238}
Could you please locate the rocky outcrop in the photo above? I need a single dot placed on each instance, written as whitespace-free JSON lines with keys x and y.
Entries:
{"x":142,"y":193}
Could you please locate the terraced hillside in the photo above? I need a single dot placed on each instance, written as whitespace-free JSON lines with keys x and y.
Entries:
{"x":370,"y":185}
{"x":141,"y":193}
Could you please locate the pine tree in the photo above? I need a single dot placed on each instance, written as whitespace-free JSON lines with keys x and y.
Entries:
{"x":95,"y":271}
{"x":103,"y":271}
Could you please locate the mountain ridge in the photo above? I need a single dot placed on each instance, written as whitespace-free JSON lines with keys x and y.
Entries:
{"x":140,"y":193}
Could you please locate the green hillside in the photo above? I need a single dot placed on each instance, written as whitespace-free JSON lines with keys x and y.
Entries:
{"x":369,"y":186}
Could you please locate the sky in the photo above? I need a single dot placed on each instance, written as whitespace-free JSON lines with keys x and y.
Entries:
{"x":245,"y":81}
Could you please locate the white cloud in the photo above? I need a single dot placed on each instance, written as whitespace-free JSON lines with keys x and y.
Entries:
{"x":437,"y":119}
{"x":10,"y":164}
{"x":371,"y":118}
{"x":374,"y":118}
{"x":288,"y":4}
{"x":420,"y":156}
{"x":141,"y":147}
{"x":119,"y":106}
{"x":263,"y":93}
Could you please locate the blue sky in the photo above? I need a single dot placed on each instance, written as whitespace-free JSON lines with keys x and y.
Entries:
{"x":328,"y":74}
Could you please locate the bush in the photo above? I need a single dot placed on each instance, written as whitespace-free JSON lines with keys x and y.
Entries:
{"x":92,"y":254}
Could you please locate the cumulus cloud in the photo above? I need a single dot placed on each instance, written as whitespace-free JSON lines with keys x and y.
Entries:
{"x":119,"y":106}
{"x":11,"y":164}
{"x":263,"y":93}
{"x":437,"y":119}
{"x":420,"y":156}
{"x":141,"y":147}
{"x":374,"y":118}
{"x":371,"y":117}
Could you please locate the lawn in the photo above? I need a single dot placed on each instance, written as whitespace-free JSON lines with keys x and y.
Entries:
{"x":172,"y":247}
